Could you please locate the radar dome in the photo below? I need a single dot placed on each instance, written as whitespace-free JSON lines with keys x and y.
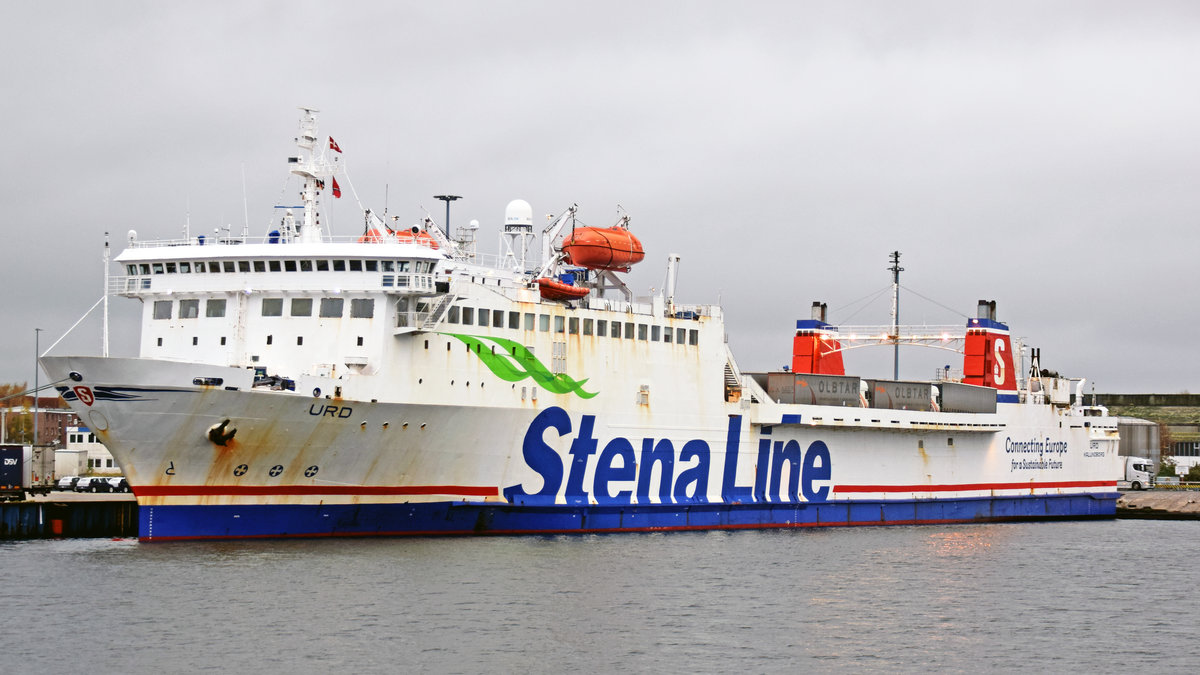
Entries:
{"x":518,"y":213}
{"x":132,"y":236}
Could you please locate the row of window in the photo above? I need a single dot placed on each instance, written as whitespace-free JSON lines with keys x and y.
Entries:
{"x":81,"y":438}
{"x":360,"y":308}
{"x":470,"y":316}
{"x":232,"y":266}
{"x":270,"y":341}
{"x":1185,"y":449}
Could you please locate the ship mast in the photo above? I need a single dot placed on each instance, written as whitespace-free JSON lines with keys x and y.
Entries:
{"x":312,"y":166}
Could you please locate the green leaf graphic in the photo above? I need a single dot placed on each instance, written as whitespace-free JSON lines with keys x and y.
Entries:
{"x":514,"y":363}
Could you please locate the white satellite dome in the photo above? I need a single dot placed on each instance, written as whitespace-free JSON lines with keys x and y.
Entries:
{"x":518,"y":212}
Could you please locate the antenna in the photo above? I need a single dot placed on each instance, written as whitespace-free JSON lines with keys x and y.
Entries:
{"x":245,"y":207}
{"x":447,"y":199}
{"x":896,"y":269}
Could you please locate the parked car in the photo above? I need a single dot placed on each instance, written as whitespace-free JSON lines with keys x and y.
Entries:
{"x":67,"y":482}
{"x":92,"y":484}
{"x":119,"y":484}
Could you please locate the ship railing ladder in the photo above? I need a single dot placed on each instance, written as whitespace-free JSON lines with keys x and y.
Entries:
{"x":439,"y":310}
{"x":733,"y":376}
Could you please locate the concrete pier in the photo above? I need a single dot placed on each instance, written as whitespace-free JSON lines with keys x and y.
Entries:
{"x":1165,"y":504}
{"x":70,"y":515}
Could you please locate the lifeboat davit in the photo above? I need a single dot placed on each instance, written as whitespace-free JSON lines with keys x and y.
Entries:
{"x":553,"y":289}
{"x":603,"y":248}
{"x":416,"y":236}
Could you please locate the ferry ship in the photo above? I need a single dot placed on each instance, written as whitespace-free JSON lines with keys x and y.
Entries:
{"x":395,"y":382}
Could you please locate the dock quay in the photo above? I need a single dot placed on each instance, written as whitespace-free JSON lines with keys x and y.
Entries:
{"x":67,"y":514}
{"x":1160,"y":503}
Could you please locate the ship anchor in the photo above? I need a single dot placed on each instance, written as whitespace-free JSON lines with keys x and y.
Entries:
{"x":217,"y":434}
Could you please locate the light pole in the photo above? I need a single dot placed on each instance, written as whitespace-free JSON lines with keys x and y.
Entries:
{"x":447,"y":199}
{"x":896,"y":269}
{"x":37,"y":333}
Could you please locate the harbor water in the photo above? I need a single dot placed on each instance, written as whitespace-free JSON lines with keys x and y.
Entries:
{"x":1096,"y":596}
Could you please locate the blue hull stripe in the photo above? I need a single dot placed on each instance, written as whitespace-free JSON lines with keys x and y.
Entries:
{"x":158,"y":523}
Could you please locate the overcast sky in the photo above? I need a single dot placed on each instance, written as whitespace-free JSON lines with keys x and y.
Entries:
{"x":1041,"y":154}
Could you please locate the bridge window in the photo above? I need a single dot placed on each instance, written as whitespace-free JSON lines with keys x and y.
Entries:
{"x":339,"y":265}
{"x":654,"y":333}
{"x":642,"y":331}
{"x":667,"y":334}
{"x":514,"y":320}
{"x":628,"y":330}
{"x":301,"y":306}
{"x":497,"y":318}
{"x":573,"y":326}
{"x":362,"y":308}
{"x":693,"y":337}
{"x":189,"y":309}
{"x":276,"y":266}
{"x":387,"y":265}
{"x":229,"y":266}
{"x":355,"y":265}
{"x":372,"y":265}
{"x":162,"y":309}
{"x":243,"y":265}
{"x":170,"y":268}
{"x":544,"y":322}
{"x":680,"y":334}
{"x":289,"y":265}
{"x":587,"y":326}
{"x":260,"y":266}
{"x":485,"y":317}
{"x":452,"y":317}
{"x":157,"y":267}
{"x":528,"y":321}
{"x":272,"y":307}
{"x":306,"y":266}
{"x":214,"y":308}
{"x":468,"y":314}
{"x":559,"y":322}
{"x":322,"y":265}
{"x":185,"y":268}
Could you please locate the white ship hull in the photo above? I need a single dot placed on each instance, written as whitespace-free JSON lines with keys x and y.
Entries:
{"x":304,"y":466}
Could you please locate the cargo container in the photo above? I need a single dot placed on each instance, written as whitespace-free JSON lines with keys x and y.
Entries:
{"x":25,"y":469}
{"x":815,"y":389}
{"x":899,"y":395}
{"x":958,"y":397}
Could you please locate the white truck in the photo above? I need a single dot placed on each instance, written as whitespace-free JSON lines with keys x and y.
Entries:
{"x":1139,"y":474}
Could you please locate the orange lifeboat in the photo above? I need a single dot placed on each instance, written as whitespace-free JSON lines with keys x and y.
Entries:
{"x":374,"y":236}
{"x":416,"y":236}
{"x":553,"y":289}
{"x":603,"y":248}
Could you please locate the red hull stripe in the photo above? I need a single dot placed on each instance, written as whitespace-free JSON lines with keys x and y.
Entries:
{"x":964,"y":487}
{"x":189,"y":490}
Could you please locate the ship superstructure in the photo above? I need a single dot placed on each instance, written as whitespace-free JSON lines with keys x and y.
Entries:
{"x":394,"y":381}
